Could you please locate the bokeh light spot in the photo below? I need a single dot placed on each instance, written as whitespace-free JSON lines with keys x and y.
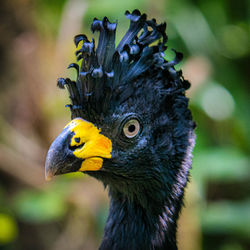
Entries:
{"x":8,"y":229}
{"x":217,"y":102}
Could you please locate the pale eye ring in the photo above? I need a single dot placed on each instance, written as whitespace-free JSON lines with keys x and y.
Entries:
{"x":131,"y":128}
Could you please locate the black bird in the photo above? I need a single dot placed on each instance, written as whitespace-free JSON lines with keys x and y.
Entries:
{"x":131,"y":129}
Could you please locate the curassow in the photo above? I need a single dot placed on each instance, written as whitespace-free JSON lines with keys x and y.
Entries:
{"x":131,"y":129}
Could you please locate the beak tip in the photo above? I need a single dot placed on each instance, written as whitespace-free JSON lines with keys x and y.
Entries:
{"x":49,"y":170}
{"x":48,"y":175}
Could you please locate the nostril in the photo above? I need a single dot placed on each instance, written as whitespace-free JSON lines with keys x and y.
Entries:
{"x":77,"y":139}
{"x":76,"y":146}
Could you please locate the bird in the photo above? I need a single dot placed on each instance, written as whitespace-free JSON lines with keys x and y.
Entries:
{"x":131,"y":129}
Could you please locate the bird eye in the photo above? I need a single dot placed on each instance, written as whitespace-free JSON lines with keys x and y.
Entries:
{"x":131,"y":128}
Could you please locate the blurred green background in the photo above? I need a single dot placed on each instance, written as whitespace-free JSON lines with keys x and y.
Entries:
{"x":36,"y":45}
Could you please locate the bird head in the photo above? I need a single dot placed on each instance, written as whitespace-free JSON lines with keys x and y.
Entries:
{"x":131,"y":127}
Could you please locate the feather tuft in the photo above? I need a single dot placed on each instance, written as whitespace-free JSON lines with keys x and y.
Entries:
{"x":107,"y":74}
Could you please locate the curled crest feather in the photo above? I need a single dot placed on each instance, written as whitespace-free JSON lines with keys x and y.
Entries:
{"x":107,"y":73}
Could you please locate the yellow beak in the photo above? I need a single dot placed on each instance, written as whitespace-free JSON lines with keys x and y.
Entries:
{"x":80,"y":147}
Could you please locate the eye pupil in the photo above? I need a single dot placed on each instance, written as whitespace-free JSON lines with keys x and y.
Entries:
{"x":131,"y":128}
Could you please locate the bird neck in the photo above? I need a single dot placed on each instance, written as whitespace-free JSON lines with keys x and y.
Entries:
{"x":133,"y":226}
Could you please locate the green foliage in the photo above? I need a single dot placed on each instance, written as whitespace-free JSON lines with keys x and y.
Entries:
{"x":221,"y":164}
{"x":227,"y":218}
{"x":50,"y":11}
{"x":112,"y":9}
{"x":39,"y":207}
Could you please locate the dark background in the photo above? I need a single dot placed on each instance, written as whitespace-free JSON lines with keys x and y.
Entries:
{"x":36,"y":46}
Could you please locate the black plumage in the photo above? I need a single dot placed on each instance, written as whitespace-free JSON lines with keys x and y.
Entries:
{"x":147,"y":174}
